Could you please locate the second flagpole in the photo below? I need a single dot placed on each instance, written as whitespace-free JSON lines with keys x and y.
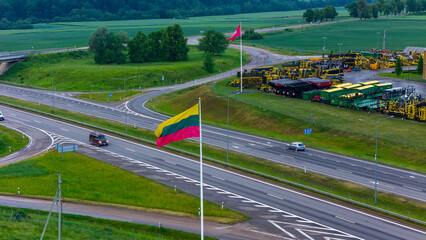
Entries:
{"x":241,"y":57}
{"x":201,"y":173}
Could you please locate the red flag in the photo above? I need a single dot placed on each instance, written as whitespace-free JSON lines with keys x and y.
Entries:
{"x":237,"y":33}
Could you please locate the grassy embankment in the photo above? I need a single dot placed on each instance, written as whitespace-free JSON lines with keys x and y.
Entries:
{"x":12,"y":139}
{"x":89,"y":180}
{"x":401,"y":143}
{"x":80,"y":227}
{"x":401,"y":31}
{"x":348,"y":190}
{"x":78,"y":71}
{"x":404,"y":75}
{"x":71,"y":34}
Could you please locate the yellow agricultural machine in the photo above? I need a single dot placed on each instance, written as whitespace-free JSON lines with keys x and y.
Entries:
{"x":411,"y":107}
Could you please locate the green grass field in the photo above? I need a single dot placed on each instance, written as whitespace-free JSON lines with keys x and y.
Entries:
{"x":71,"y":34}
{"x":406,"y":76}
{"x":340,"y":188}
{"x":401,"y":143}
{"x":76,"y":227}
{"x":12,"y":139}
{"x":88,"y":179}
{"x":401,"y":31}
{"x":105,"y":96}
{"x":78,"y":72}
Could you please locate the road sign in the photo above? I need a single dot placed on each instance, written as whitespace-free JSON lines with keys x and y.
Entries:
{"x":307,"y":131}
{"x":110,"y":95}
{"x":62,"y":149}
{"x":162,"y":77}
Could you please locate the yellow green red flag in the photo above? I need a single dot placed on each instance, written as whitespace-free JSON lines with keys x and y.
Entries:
{"x":179,"y":127}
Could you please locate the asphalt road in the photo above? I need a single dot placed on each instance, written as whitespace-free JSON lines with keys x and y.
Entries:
{"x":393,"y":180}
{"x":276,"y":210}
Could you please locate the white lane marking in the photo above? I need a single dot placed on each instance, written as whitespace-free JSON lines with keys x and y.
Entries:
{"x":412,"y":177}
{"x":131,"y":150}
{"x":280,"y":198}
{"x":342,"y":170}
{"x":269,"y":234}
{"x":218,"y":178}
{"x":412,"y":188}
{"x":36,"y":121}
{"x":235,"y":147}
{"x":372,"y":182}
{"x":242,"y":176}
{"x":63,"y":129}
{"x":170,"y":162}
{"x":344,"y":219}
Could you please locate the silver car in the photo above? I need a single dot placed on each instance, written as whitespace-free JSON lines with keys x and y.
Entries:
{"x":296,"y":146}
{"x":1,"y":116}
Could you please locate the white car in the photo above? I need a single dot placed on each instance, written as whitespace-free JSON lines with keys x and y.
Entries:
{"x":1,"y":116}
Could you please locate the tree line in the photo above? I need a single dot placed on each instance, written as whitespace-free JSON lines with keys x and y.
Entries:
{"x":41,"y":11}
{"x":327,"y":13}
{"x":364,"y":10}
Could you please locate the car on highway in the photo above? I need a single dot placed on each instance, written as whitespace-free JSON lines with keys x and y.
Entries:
{"x":99,"y":139}
{"x":296,"y":146}
{"x":1,"y":116}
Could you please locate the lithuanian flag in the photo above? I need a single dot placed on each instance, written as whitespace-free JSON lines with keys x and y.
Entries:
{"x":184,"y":125}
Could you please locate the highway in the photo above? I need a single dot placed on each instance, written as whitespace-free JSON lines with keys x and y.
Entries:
{"x":393,"y":180}
{"x":277,"y":212}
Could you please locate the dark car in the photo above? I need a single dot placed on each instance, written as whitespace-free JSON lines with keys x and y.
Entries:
{"x":99,"y":139}
{"x":296,"y":146}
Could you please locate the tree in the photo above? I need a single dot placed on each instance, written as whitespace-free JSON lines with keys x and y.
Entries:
{"x":154,"y":39}
{"x":398,"y":67}
{"x":213,"y":42}
{"x":362,"y":9}
{"x":352,"y":9}
{"x":373,"y":11}
{"x":411,"y":6}
{"x":387,"y":9}
{"x":419,"y":69}
{"x":123,"y":37}
{"x":381,"y":6}
{"x":317,"y":15}
{"x":106,"y":47}
{"x":208,"y":62}
{"x":309,"y":15}
{"x":173,"y":45}
{"x":138,"y":48}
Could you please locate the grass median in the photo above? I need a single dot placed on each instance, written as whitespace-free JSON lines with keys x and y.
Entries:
{"x":11,"y":141}
{"x":31,"y":222}
{"x":88,"y":179}
{"x":340,"y":188}
{"x":406,"y":75}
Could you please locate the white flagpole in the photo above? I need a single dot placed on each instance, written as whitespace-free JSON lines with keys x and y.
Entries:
{"x":201,"y":173}
{"x":241,"y":57}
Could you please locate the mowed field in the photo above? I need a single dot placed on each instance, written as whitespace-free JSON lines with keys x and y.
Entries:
{"x":77,"y":71}
{"x":401,"y":31}
{"x":71,"y":34}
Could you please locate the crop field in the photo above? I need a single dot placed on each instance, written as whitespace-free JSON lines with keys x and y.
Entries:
{"x":401,"y":31}
{"x":88,"y":179}
{"x":71,"y":34}
{"x":78,"y":72}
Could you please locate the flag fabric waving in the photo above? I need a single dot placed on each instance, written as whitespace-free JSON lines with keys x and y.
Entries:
{"x":237,"y":33}
{"x":179,"y":127}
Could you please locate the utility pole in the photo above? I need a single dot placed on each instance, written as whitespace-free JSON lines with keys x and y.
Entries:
{"x":323,"y":52}
{"x":59,"y":207}
{"x":53,"y":90}
{"x":340,"y":60}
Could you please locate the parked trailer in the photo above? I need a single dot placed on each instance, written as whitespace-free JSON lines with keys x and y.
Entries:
{"x":318,"y":83}
{"x":326,"y":95}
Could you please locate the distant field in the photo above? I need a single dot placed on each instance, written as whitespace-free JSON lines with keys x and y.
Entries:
{"x":355,"y":35}
{"x":80,"y":73}
{"x":71,"y":34}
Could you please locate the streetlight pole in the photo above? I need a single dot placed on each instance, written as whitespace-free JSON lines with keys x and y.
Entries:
{"x":125,"y":112}
{"x":227,"y":139}
{"x":340,"y":60}
{"x":323,"y":51}
{"x":53,"y":91}
{"x":377,"y":49}
{"x":375,"y":156}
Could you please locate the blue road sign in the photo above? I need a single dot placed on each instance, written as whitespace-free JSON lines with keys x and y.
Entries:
{"x":70,"y":148}
{"x":269,"y":60}
{"x":110,"y":95}
{"x":307,"y":131}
